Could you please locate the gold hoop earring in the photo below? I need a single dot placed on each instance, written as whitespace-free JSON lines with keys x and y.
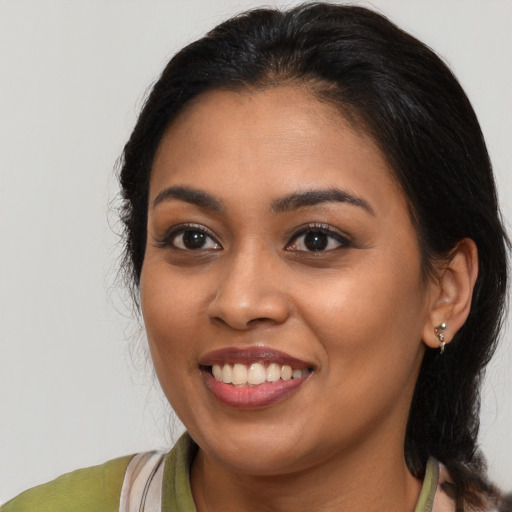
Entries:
{"x":440,"y":334}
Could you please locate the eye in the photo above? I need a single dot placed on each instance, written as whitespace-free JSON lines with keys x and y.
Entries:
{"x":317,"y":238}
{"x":190,"y":238}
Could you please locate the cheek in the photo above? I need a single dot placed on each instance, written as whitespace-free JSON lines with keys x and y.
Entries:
{"x":170,"y":313}
{"x":369,"y":322}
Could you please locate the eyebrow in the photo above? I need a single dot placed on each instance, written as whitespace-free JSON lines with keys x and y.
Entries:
{"x":313,"y":197}
{"x":189,"y":195}
{"x":284,"y":204}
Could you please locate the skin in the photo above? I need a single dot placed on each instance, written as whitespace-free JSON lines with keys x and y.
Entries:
{"x":358,"y":312}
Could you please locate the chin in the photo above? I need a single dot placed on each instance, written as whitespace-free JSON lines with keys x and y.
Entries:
{"x":259,"y":450}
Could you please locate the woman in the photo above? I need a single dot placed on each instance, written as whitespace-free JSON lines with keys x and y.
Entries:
{"x":312,"y":224}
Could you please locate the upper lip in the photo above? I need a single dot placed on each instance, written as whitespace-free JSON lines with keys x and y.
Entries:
{"x":249,"y":355}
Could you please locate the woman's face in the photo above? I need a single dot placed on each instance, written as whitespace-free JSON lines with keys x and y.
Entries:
{"x":279,"y":245}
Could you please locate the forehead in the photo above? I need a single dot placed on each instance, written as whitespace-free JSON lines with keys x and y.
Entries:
{"x":268,"y":140}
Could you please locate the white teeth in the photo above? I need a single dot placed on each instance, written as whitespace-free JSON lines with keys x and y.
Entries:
{"x":227,"y":374}
{"x":239,"y":375}
{"x":256,"y":374}
{"x":217,"y":371}
{"x":273,"y":372}
{"x":286,"y":372}
{"x":297,"y":374}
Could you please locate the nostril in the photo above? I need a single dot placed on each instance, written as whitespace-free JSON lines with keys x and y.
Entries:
{"x":260,"y":321}
{"x":242,"y":325}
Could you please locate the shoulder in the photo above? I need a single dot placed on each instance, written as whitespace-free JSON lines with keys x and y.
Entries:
{"x":119,"y":483}
{"x":95,"y":488}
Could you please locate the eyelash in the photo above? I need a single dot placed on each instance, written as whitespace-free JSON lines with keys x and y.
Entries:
{"x":343,"y":240}
{"x":169,"y":239}
{"x":171,"y":235}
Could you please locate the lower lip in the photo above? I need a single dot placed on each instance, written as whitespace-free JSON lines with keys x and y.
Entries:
{"x":252,"y":397}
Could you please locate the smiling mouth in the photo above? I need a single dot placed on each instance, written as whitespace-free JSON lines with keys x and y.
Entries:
{"x":253,"y":377}
{"x":255,"y":374}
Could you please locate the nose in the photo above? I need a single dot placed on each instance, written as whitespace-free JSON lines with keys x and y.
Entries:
{"x":250,"y":293}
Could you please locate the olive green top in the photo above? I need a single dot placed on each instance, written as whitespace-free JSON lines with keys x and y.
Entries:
{"x":98,"y":488}
{"x":429,"y":488}
{"x":94,"y":489}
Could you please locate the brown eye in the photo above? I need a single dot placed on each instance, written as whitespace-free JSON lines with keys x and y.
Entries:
{"x":317,"y":239}
{"x":191,"y":238}
{"x":194,"y":239}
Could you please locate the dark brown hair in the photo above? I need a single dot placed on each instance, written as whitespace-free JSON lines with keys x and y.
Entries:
{"x":401,"y":93}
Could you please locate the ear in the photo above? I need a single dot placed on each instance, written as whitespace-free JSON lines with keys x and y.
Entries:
{"x":452,"y":290}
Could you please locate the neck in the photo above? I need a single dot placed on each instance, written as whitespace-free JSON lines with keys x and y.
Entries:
{"x":370,"y":480}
